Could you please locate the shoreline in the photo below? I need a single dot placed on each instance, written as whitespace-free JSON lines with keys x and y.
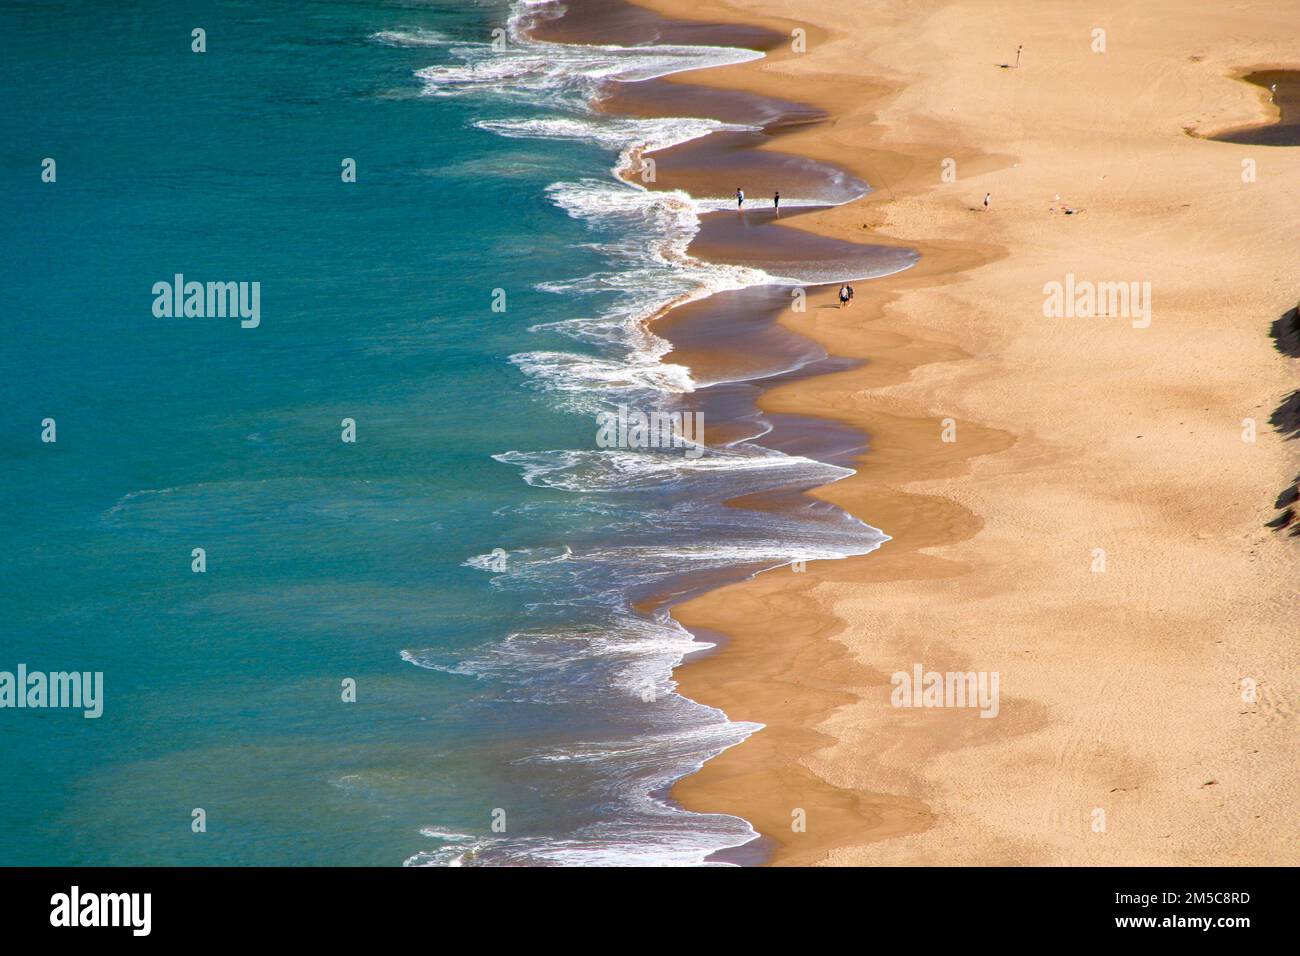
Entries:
{"x":697,"y":328}
{"x":939,"y":262}
{"x":1095,"y":668}
{"x":709,"y":323}
{"x":752,"y":238}
{"x":887,"y":359}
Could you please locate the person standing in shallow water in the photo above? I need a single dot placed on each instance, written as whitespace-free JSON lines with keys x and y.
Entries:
{"x":776,"y":202}
{"x":740,"y":198}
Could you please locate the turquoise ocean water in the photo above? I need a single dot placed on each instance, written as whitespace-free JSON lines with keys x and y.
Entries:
{"x":524,"y":685}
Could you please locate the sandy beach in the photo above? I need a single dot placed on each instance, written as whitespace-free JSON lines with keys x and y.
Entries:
{"x":564,"y":508}
{"x":1096,"y":528}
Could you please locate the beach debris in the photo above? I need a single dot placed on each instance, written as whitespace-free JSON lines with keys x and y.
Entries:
{"x":1065,"y":207}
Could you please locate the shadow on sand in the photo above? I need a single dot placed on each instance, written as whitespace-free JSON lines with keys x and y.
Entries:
{"x":1286,"y":418}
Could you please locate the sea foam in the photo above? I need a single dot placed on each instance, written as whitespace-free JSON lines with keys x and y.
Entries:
{"x":608,"y":652}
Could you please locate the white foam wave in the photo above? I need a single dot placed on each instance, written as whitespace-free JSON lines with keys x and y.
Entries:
{"x":611,"y":132}
{"x":624,"y":470}
{"x":652,"y":272}
{"x":650,"y":267}
{"x":450,"y":836}
{"x":626,"y":654}
{"x":638,"y":829}
{"x":542,"y":72}
{"x":579,"y":374}
{"x":498,"y":561}
{"x":409,"y":38}
{"x":648,"y":270}
{"x":635,"y":656}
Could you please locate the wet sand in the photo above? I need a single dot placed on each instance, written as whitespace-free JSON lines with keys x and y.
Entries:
{"x":758,"y":239}
{"x":704,"y":334}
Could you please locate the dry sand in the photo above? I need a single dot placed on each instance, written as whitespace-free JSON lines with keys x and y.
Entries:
{"x":1121,"y":691}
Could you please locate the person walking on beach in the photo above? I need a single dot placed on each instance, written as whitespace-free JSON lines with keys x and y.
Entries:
{"x":776,"y":202}
{"x":845,"y":295}
{"x":740,"y":198}
{"x":988,"y":197}
{"x":850,"y":288}
{"x":1018,"y":49}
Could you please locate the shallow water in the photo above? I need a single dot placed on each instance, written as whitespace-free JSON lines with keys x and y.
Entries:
{"x":1284,"y":92}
